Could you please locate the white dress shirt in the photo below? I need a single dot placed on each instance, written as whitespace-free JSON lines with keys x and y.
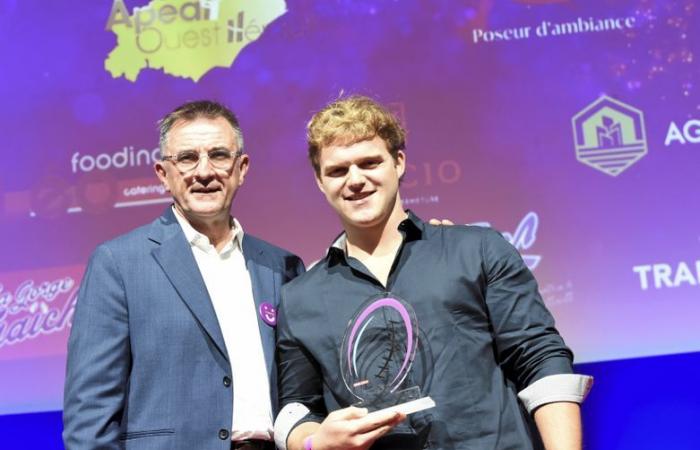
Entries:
{"x":228,"y":283}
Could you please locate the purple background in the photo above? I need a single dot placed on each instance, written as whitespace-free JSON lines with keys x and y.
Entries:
{"x":490,"y":140}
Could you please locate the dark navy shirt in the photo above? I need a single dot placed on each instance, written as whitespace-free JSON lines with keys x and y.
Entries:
{"x":485,"y":335}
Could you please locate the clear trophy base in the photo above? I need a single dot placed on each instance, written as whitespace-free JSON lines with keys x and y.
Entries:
{"x":406,"y":402}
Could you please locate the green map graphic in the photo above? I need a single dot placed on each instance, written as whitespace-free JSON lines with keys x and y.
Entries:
{"x":185,"y":38}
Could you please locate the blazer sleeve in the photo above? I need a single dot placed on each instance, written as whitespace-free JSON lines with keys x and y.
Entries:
{"x":528,"y":345}
{"x":99,"y":358}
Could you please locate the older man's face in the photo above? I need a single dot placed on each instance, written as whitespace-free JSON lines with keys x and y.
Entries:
{"x":203,"y":194}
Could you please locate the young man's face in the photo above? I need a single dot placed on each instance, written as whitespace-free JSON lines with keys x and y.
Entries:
{"x":361,"y":181}
{"x":204,"y":193}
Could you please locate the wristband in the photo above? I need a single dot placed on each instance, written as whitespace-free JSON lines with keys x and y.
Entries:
{"x":307,"y":443}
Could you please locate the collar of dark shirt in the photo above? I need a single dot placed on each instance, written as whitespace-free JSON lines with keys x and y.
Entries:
{"x":411,"y":228}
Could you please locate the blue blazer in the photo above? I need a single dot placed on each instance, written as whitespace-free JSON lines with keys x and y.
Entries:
{"x":147,"y":364}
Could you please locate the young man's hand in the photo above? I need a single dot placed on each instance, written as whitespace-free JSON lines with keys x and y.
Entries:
{"x":352,"y":429}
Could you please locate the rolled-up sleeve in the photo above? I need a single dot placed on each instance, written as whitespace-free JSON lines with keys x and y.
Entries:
{"x":528,"y":345}
{"x":556,"y":388}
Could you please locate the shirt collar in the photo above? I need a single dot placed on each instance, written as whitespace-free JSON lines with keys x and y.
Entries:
{"x":411,"y":228}
{"x":199,"y":240}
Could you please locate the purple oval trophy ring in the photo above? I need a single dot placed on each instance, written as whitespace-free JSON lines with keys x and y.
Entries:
{"x":377,"y":355}
{"x":268,"y":313}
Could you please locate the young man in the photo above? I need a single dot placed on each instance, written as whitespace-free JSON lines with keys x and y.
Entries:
{"x":172,"y":343}
{"x":486,"y":338}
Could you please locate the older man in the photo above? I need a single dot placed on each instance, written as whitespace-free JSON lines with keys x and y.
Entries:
{"x":172,"y":344}
{"x":488,"y":354}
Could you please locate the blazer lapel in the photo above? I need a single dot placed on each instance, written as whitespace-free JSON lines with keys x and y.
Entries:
{"x":262,"y":279}
{"x":177,"y":261}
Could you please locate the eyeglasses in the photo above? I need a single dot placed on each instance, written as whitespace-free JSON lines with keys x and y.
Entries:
{"x":188,"y":160}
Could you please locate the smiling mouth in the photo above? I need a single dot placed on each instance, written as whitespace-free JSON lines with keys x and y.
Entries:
{"x":205,"y":190}
{"x":359,"y":196}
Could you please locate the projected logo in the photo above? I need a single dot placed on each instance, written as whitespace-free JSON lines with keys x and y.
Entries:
{"x":185,"y":38}
{"x":35,"y":304}
{"x":663,"y":275}
{"x":609,"y":135}
{"x":96,"y":184}
{"x":522,"y":238}
{"x":687,"y":133}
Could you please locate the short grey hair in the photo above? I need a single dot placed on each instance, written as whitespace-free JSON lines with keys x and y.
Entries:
{"x":194,"y":110}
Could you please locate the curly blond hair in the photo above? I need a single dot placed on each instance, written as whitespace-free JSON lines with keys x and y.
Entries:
{"x":349,"y":120}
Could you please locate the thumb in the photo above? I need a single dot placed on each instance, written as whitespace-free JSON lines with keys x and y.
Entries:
{"x":350,"y":412}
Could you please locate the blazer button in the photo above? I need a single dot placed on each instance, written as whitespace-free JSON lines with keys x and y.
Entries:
{"x":227,"y":381}
{"x":223,"y":434}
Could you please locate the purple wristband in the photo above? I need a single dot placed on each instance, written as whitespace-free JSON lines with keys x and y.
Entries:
{"x":307,"y":443}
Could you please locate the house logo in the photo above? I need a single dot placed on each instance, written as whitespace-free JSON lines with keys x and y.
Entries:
{"x":609,"y":135}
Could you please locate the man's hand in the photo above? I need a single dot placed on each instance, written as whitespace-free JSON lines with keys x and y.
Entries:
{"x":440,"y":222}
{"x":352,"y":429}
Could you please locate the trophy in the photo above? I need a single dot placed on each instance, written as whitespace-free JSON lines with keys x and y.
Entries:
{"x":377,"y":354}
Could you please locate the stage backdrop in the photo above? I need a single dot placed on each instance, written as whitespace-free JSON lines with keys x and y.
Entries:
{"x":573,"y":127}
